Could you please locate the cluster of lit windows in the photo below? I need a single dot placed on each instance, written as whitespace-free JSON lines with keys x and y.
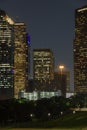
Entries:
{"x":6,"y":53}
{"x":13,"y":54}
{"x":35,"y":95}
{"x":80,"y":50}
{"x":44,"y":53}
{"x":43,"y":64}
{"x":20,"y":54}
{"x":6,"y":77}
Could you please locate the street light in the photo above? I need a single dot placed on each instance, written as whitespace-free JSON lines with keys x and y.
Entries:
{"x":61,"y":67}
{"x":49,"y":114}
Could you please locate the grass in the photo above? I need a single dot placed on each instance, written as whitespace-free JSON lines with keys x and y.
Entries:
{"x":77,"y":121}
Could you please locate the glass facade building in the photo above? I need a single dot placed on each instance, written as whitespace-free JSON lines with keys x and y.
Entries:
{"x":6,"y":55}
{"x":80,"y":50}
{"x":13,"y":57}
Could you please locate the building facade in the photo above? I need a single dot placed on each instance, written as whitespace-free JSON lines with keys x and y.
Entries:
{"x":80,"y":50}
{"x":60,"y":82}
{"x":43,"y":66}
{"x":6,"y":56}
{"x":37,"y":95}
{"x":20,"y":58}
{"x":13,"y":57}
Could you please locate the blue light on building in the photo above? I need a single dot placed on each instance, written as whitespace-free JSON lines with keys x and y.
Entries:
{"x":28,"y":38}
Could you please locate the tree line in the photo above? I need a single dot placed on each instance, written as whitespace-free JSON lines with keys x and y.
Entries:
{"x":22,"y":110}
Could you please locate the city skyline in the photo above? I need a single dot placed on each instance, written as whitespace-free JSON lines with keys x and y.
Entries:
{"x":50,"y":24}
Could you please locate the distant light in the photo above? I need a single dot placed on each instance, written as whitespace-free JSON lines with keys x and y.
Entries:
{"x":31,"y":115}
{"x":49,"y":114}
{"x":61,"y":67}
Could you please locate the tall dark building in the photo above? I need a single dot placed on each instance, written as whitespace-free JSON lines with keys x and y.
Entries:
{"x":6,"y":55}
{"x":13,"y":57}
{"x":60,"y":83}
{"x":80,"y":50}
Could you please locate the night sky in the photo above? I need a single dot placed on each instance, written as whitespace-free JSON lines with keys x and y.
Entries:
{"x":50,"y":24}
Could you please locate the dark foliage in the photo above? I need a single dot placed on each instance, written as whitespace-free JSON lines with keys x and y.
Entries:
{"x":21,"y":110}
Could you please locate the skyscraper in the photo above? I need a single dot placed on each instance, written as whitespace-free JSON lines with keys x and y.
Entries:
{"x":20,"y":58}
{"x":43,"y":66}
{"x":13,"y":57}
{"x":6,"y":55}
{"x":80,"y":50}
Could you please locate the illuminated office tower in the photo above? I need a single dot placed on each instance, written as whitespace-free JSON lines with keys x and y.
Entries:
{"x":20,"y":58}
{"x":43,"y":65}
{"x":80,"y":50}
{"x":6,"y":56}
{"x":14,"y":63}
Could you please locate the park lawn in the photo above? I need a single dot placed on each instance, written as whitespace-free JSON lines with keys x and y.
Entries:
{"x":77,"y":121}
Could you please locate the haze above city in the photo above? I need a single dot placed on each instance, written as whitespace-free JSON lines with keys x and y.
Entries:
{"x":50,"y":24}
